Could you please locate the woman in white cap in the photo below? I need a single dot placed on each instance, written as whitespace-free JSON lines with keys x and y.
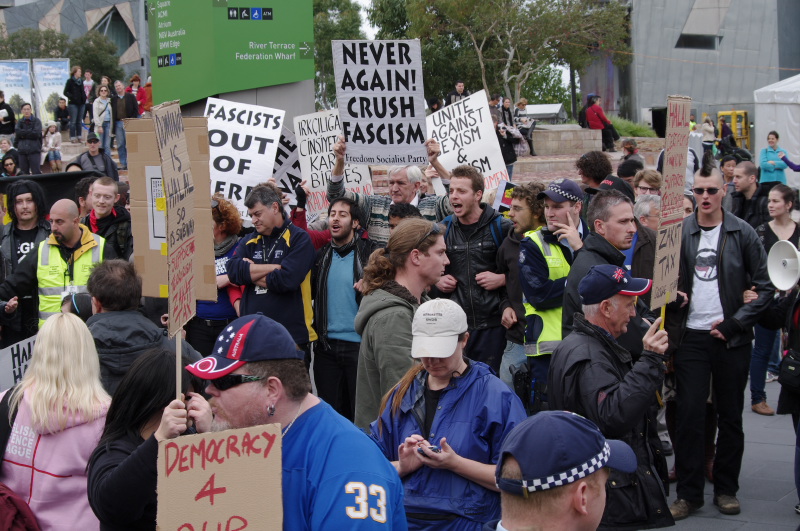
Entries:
{"x":442,"y":425}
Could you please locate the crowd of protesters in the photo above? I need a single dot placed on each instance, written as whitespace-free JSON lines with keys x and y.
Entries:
{"x":432,"y":363}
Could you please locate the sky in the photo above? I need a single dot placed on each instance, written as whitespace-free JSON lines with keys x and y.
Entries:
{"x":368,"y":30}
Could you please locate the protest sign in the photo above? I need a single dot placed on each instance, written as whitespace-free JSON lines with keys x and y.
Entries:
{"x":381,"y":101}
{"x":149,"y":207}
{"x":179,"y":189}
{"x":502,"y":199}
{"x":465,"y":131}
{"x":49,"y":78}
{"x":15,"y":80}
{"x":670,"y":226}
{"x":286,"y":171}
{"x":14,"y":362}
{"x":224,"y":480}
{"x":316,"y":134}
{"x":243,"y":139}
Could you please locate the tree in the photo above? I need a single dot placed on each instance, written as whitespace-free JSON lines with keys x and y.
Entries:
{"x":96,"y":52}
{"x":29,"y":43}
{"x":546,"y":86}
{"x":50,"y":106}
{"x":512,"y":40}
{"x":16,"y":103}
{"x":333,"y":20}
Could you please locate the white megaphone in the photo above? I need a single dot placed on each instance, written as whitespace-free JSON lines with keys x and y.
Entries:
{"x":783,"y":265}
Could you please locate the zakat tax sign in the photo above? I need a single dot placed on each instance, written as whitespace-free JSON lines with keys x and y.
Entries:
{"x":466,"y":134}
{"x":316,"y":134}
{"x":381,"y":101}
{"x":243,"y":141}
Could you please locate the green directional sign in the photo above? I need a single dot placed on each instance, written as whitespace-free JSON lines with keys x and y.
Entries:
{"x":200,"y":48}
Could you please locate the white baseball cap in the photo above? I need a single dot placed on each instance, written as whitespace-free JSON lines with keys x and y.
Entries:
{"x":436,"y":327}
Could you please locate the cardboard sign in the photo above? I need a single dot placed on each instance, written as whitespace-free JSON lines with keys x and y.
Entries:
{"x":179,"y":190}
{"x":670,"y":226}
{"x":381,"y":101}
{"x":14,"y":362}
{"x":227,"y":480}
{"x":243,"y":140}
{"x":465,"y":131}
{"x":316,"y":134}
{"x":287,"y":172}
{"x":148,"y":208}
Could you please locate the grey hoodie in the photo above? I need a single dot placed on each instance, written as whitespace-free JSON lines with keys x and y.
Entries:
{"x":384,"y":323}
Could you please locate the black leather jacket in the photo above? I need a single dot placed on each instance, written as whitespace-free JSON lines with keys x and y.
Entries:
{"x":468,"y":257}
{"x":741,"y":263}
{"x":755,"y":212}
{"x":592,"y":375}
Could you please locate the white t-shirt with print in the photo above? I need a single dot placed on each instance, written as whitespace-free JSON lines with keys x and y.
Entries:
{"x":705,"y":306}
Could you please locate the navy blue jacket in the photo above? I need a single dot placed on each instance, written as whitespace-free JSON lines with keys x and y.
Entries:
{"x":287,"y":298}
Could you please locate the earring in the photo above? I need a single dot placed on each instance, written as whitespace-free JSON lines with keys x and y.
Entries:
{"x":271,"y":410}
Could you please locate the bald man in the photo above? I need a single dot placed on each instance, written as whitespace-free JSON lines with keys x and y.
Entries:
{"x":62,"y":263}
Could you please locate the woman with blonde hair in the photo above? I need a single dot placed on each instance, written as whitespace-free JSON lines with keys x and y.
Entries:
{"x":395,"y":283}
{"x":56,"y":414}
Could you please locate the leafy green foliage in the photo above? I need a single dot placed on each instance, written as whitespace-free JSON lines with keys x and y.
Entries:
{"x":627,"y":128}
{"x":96,"y":52}
{"x":29,"y":43}
{"x":333,"y":20}
{"x":16,"y":103}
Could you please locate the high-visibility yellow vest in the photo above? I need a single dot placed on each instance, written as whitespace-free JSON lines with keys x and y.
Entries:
{"x":558,"y":267}
{"x":52,"y":272}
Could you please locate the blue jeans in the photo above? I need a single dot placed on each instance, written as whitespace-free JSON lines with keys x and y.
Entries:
{"x":514,"y":354}
{"x":765,"y":346}
{"x":76,"y":113}
{"x":119,"y":132}
{"x":776,"y":356}
{"x":105,"y":139}
{"x":510,"y":170}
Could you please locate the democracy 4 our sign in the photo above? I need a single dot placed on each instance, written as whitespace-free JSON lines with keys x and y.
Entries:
{"x":243,"y":141}
{"x":465,"y":131}
{"x":381,"y":101}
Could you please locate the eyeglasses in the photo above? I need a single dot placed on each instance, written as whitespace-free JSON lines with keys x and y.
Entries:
{"x":648,"y":190}
{"x":232,"y":380}
{"x":434,"y":230}
{"x":701,"y":191}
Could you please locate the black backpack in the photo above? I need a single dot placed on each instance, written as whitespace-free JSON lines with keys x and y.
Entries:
{"x":582,"y":118}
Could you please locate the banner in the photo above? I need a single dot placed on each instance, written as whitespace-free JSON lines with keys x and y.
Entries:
{"x":15,"y":82}
{"x":466,"y":133}
{"x":243,"y":140}
{"x":381,"y":101}
{"x":316,"y":134}
{"x":286,"y":171}
{"x":49,"y":78}
{"x":179,"y":188}
{"x":14,"y":362}
{"x":502,"y":199}
{"x":228,"y":480}
{"x":670,"y":226}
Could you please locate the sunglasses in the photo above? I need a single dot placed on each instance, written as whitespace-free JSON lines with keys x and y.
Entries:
{"x":8,"y":164}
{"x":232,"y":380}
{"x":434,"y":230}
{"x":701,"y":191}
{"x":94,"y":141}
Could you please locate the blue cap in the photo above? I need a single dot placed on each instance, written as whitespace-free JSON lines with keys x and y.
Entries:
{"x":248,"y":338}
{"x":562,"y":190}
{"x":604,"y":281}
{"x":556,"y":448}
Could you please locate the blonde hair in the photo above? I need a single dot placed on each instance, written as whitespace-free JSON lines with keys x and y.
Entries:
{"x":651,"y":178}
{"x":62,"y":382}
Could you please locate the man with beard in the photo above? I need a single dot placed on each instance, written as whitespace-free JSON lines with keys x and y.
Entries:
{"x":337,"y":272}
{"x":62,"y":264}
{"x":715,"y":344}
{"x":24,"y":234}
{"x":108,"y":220}
{"x":333,"y":474}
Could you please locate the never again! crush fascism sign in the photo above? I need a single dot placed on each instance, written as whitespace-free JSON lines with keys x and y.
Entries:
{"x":316,"y":134}
{"x":381,"y":101}
{"x":465,"y":131}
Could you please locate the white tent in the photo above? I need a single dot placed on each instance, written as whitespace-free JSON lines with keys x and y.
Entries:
{"x":778,"y":109}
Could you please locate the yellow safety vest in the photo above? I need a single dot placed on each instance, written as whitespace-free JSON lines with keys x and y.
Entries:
{"x":558,"y":267}
{"x":52,"y":272}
